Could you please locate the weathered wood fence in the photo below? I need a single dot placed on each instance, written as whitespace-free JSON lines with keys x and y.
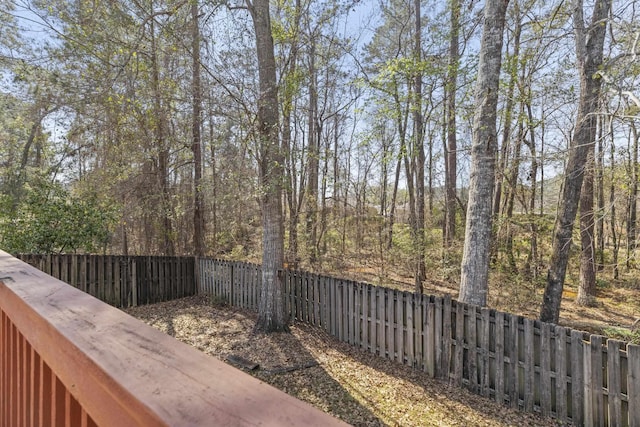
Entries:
{"x":68,"y":359}
{"x":570,"y":375}
{"x":122,"y":281}
{"x":537,"y":367}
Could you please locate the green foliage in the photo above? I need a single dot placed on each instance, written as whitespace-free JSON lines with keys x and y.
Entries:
{"x":51,"y":219}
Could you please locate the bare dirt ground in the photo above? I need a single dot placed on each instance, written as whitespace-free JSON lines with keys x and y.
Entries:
{"x":353,"y":385}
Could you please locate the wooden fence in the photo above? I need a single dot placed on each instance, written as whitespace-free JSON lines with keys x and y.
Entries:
{"x":122,"y":281}
{"x":68,"y":359}
{"x":537,"y":367}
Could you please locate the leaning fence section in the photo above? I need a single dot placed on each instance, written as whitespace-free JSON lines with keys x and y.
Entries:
{"x":524,"y":363}
{"x":122,"y":281}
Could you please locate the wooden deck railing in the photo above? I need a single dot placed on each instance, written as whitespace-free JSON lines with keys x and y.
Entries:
{"x":68,"y":359}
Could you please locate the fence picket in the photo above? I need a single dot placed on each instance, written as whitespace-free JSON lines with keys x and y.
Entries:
{"x":544,"y":384}
{"x":633,"y":383}
{"x":514,"y":363}
{"x":458,"y":353}
{"x":614,"y":383}
{"x":577,"y":384}
{"x":561,"y":372}
{"x":529,"y":368}
{"x":499,"y":357}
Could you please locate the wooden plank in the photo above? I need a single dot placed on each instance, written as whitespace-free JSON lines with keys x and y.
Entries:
{"x":373,"y":323}
{"x":358,"y":319}
{"x":339,"y":311}
{"x":74,"y":271}
{"x":346,"y":312}
{"x":418,"y":323}
{"x":326,"y":296}
{"x":365,"y":316}
{"x":545,"y":369}
{"x":458,"y":355}
{"x":381,"y":314}
{"x":377,"y":305}
{"x":297,"y":293}
{"x":317,"y":298}
{"x":447,"y":341}
{"x":561,"y":373}
{"x":108,"y":281}
{"x":399,"y":326}
{"x":529,"y":369}
{"x":408,"y":305}
{"x":513,"y":378}
{"x":83,"y":274}
{"x":134,"y":283}
{"x":117,"y":282}
{"x":391,"y":323}
{"x":485,"y":353}
{"x":429,"y":343}
{"x":99,"y":279}
{"x":499,"y":357}
{"x":633,"y":383}
{"x":589,"y":410}
{"x":438,"y":337}
{"x":577,"y":378}
{"x":351,"y":311}
{"x":472,"y":350}
{"x":332,"y":299}
{"x":306,"y":297}
{"x":597,"y":381}
{"x":614,"y":382}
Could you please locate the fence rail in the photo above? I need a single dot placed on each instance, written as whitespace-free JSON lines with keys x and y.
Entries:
{"x":537,"y":367}
{"x":121,"y":281}
{"x":68,"y":359}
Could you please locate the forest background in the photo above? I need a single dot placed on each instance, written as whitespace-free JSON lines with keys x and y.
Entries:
{"x":131,"y":127}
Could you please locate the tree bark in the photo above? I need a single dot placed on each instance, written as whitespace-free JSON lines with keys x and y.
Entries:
{"x":271,"y":310}
{"x":587,"y":285}
{"x":476,"y":252}
{"x":589,"y":55}
{"x":451,"y":149}
{"x":632,"y":215}
{"x":196,"y":147}
{"x":420,"y":246}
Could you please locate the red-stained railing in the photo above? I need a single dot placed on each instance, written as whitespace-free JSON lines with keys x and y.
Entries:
{"x":68,"y":359}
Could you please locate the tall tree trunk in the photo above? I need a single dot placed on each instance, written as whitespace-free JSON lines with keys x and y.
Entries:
{"x":167,"y":243}
{"x":314,"y":159}
{"x":214,"y":184}
{"x":420,"y":246}
{"x":612,"y":204}
{"x":476,"y":252}
{"x":451,"y":149}
{"x":533,"y":257}
{"x":589,"y":48}
{"x":291,"y":189}
{"x":394,"y":196}
{"x":632,"y":211}
{"x":587,"y":284}
{"x":510,"y":196}
{"x":271,"y":310}
{"x":196,"y":147}
{"x":599,"y":169}
{"x":512,"y":69}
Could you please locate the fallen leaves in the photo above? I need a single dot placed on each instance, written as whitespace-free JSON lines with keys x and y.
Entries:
{"x":351,"y":384}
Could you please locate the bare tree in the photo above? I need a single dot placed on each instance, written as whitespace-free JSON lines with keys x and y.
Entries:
{"x":476,"y":252}
{"x":271,"y":312}
{"x":589,"y":52}
{"x":196,"y":148}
